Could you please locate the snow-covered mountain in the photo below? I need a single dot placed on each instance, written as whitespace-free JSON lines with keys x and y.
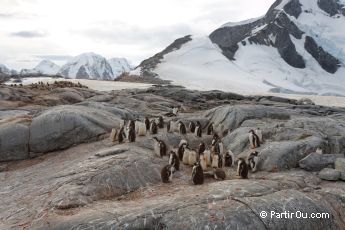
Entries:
{"x":119,"y":66}
{"x":298,"y":46}
{"x":87,"y":66}
{"x":44,"y":67}
{"x":4,"y":69}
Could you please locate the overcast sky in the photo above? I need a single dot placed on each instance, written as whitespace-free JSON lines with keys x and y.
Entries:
{"x":136,"y":29}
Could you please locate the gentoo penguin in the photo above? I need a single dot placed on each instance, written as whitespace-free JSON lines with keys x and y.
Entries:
{"x":174,"y":161}
{"x":202,"y":148}
{"x":215,"y":138}
{"x":217,"y":161}
{"x":208,"y":158}
{"x":113,"y":135}
{"x":210,"y":129}
{"x":159,"y":147}
{"x":121,"y":135}
{"x":229,"y":159}
{"x":131,"y":124}
{"x":160,"y":122}
{"x":198,"y":129}
{"x":259,"y":134}
{"x":182,"y":128}
{"x":242,"y":168}
{"x":153,"y":127}
{"x":192,"y":156}
{"x":131,"y":134}
{"x":175,"y":111}
{"x":253,"y":160}
{"x":185,"y":157}
{"x":140,"y":129}
{"x":197,"y":174}
{"x":168,"y":126}
{"x":219,"y":174}
{"x":253,"y":139}
{"x":167,"y":173}
{"x":181,"y":148}
{"x":147,"y":124}
{"x":203,"y":161}
{"x":192,"y":127}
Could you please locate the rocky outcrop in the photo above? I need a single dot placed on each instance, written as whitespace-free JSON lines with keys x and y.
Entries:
{"x":332,"y":7}
{"x":316,"y":161}
{"x":329,"y":174}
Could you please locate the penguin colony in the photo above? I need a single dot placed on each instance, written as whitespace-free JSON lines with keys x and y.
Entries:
{"x":201,"y":160}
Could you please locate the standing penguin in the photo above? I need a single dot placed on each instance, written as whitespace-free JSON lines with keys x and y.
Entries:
{"x":113,"y":135}
{"x":210,"y":129}
{"x":131,"y":134}
{"x":202,"y":148}
{"x":182,"y":128}
{"x":122,"y":135}
{"x":159,"y":147}
{"x":208,"y":158}
{"x":175,"y":111}
{"x":197,"y":174}
{"x":217,"y":161}
{"x":192,"y":127}
{"x":253,"y":160}
{"x":147,"y":124}
{"x":153,"y":127}
{"x":242,"y":168}
{"x":198,"y":129}
{"x":140,"y":129}
{"x":167,"y":173}
{"x":253,"y":139}
{"x":259,"y":134}
{"x":192,"y":156}
{"x":203,"y":163}
{"x":174,"y":161}
{"x":229,"y":159}
{"x":160,"y":122}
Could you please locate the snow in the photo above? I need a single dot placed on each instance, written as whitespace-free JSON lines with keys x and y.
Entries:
{"x":4,"y":69}
{"x":231,"y":24}
{"x":119,"y":66}
{"x":47,"y":67}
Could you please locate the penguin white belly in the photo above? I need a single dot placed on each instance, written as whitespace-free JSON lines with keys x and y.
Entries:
{"x":185,"y":158}
{"x":251,"y":140}
{"x":232,"y":157}
{"x":259,"y":134}
{"x":203,"y":162}
{"x":215,"y":159}
{"x":141,"y":129}
{"x":221,"y":148}
{"x":113,"y":135}
{"x":156,"y":149}
{"x":207,"y":154}
{"x":192,"y":158}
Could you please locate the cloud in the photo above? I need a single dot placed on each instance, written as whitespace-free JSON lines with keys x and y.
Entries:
{"x":29,"y":34}
{"x":54,"y":57}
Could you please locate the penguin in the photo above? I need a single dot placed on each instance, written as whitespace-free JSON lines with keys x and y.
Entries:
{"x":229,"y":159}
{"x":253,"y":139}
{"x":253,"y":160}
{"x":168,"y":126}
{"x":259,"y":134}
{"x":180,"y":150}
{"x":225,"y":133}
{"x":174,"y":160}
{"x":198,"y":129}
{"x":113,"y":135}
{"x":121,"y":136}
{"x":215,"y":138}
{"x":242,"y":168}
{"x":219,"y":174}
{"x":210,"y":129}
{"x":182,"y":128}
{"x":208,"y":158}
{"x":192,"y":156}
{"x":153,"y":127}
{"x":203,"y":161}
{"x":167,"y":173}
{"x":131,"y":134}
{"x":160,"y":122}
{"x":202,"y":148}
{"x":185,"y":157}
{"x":147,"y":124}
{"x":197,"y":174}
{"x":175,"y":111}
{"x":156,"y":147}
{"x":192,"y":127}
{"x":217,"y":161}
{"x":140,"y":129}
{"x":131,"y":124}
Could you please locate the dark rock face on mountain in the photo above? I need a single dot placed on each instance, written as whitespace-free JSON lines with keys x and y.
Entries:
{"x":276,"y":31}
{"x":149,"y":64}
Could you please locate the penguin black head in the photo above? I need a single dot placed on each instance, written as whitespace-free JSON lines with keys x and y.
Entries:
{"x":251,"y":131}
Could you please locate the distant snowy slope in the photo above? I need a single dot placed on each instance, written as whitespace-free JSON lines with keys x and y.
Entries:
{"x":119,"y":66}
{"x":4,"y":69}
{"x":47,"y":67}
{"x":87,"y":66}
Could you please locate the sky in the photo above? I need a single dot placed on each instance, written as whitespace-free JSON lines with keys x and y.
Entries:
{"x":33,"y":30}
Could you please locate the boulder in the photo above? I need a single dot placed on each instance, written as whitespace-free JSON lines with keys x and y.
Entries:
{"x":14,"y":142}
{"x":64,"y":126}
{"x":329,"y":174}
{"x":340,"y":164}
{"x":316,"y":161}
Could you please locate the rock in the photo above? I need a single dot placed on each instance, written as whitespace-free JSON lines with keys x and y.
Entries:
{"x":110,"y":152}
{"x":342,"y":176}
{"x":316,"y":161}
{"x":329,"y":174}
{"x":340,"y":164}
{"x":305,"y":101}
{"x":14,"y":142}
{"x":64,"y":126}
